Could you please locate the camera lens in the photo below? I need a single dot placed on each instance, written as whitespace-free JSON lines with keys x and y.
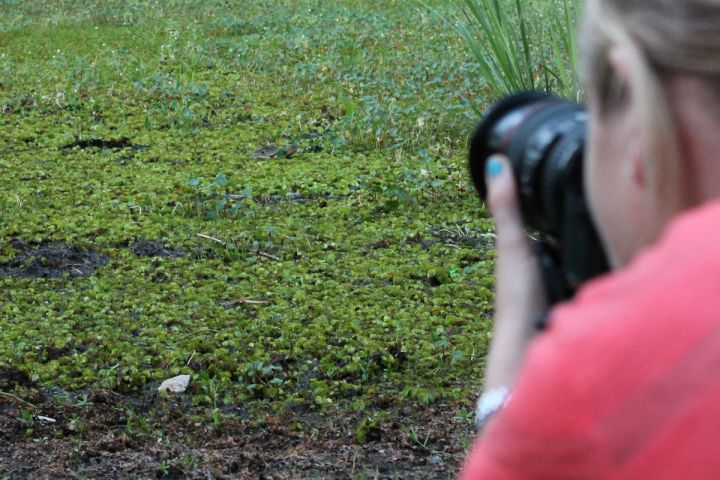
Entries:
{"x":544,"y":139}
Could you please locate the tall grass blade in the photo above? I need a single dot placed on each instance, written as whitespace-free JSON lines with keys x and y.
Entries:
{"x":520,"y":45}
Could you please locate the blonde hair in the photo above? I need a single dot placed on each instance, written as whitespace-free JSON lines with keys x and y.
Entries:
{"x":663,"y":38}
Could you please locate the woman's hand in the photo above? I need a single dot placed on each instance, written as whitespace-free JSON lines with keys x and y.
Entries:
{"x":519,"y":292}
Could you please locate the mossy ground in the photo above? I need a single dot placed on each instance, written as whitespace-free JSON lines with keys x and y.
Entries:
{"x":348,"y":268}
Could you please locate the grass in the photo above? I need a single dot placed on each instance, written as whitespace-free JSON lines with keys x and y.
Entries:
{"x":522,"y":45}
{"x":356,"y":272}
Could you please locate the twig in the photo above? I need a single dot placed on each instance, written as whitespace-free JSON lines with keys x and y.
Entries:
{"x":245,"y":301}
{"x":217,"y":240}
{"x":267,"y":255}
{"x":225,"y":244}
{"x":353,"y":463}
{"x":10,"y":395}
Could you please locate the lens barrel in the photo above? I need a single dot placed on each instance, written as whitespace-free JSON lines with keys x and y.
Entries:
{"x":544,"y":138}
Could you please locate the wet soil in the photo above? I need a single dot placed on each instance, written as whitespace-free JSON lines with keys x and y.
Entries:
{"x":103,"y":434}
{"x":152,"y":248}
{"x":109,"y":144}
{"x":51,"y":260}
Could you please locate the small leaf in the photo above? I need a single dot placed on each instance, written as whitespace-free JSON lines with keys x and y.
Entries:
{"x":221,"y":180}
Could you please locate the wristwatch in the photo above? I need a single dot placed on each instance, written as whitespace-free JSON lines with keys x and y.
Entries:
{"x":489,"y":403}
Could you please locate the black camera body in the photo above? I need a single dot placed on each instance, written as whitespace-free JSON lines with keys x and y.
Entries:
{"x":544,"y":138}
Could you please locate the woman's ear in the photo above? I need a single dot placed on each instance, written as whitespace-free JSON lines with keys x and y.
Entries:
{"x":618,"y":85}
{"x":621,"y":101}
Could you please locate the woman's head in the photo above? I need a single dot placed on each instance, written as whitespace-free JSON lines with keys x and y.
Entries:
{"x":652,"y":71}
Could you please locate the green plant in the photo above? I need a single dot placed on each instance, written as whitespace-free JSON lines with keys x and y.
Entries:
{"x":415,"y":437}
{"x":262,"y":380}
{"x":217,"y":421}
{"x":190,"y":461}
{"x":522,"y":45}
{"x":368,"y":473}
{"x":210,"y":199}
{"x":83,"y":401}
{"x":316,"y":282}
{"x":163,"y":468}
{"x":367,"y":431}
{"x":27,"y":420}
{"x":464,"y":416}
{"x":136,"y":423}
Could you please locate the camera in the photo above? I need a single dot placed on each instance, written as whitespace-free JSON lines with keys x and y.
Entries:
{"x":544,"y":138}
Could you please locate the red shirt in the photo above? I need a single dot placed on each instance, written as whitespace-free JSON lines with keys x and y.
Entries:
{"x":625,"y":383}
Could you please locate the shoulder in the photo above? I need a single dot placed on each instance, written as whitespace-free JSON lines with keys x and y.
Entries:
{"x":593,"y":379}
{"x":669,"y":282}
{"x":627,"y":328}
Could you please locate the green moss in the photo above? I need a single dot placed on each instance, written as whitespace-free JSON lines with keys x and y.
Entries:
{"x":367,"y":431}
{"x":358,"y":268}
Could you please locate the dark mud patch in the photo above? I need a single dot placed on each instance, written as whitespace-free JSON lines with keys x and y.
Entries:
{"x":112,"y":436}
{"x":106,"y":144}
{"x":463,"y":236}
{"x":453,"y":237}
{"x":151,"y":248}
{"x":51,"y":260}
{"x":292,"y":197}
{"x":420,"y":241}
{"x":11,"y":378}
{"x":381,"y":244}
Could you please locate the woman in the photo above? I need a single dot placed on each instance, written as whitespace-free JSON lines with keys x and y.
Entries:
{"x":625,"y":381}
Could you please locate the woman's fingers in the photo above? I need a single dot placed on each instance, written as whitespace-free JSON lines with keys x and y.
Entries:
{"x":502,"y":199}
{"x":519,"y":293}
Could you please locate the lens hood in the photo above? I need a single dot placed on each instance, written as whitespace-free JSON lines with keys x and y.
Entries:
{"x":481,"y":147}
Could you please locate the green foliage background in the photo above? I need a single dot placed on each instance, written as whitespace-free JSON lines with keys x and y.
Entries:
{"x":365,"y":256}
{"x":522,"y":44}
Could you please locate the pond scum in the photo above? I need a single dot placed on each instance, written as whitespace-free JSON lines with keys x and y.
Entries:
{"x":268,"y":196}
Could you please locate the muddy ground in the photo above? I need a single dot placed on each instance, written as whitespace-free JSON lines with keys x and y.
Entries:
{"x":101,"y":434}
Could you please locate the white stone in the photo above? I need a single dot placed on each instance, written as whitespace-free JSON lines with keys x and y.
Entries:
{"x":176,"y":384}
